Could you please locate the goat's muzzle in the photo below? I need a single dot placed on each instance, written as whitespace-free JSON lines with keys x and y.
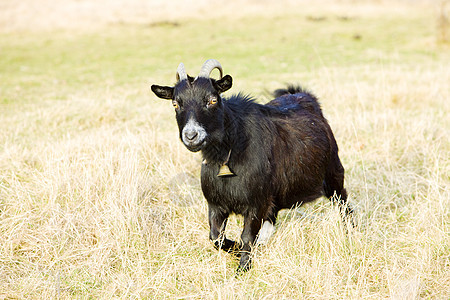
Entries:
{"x":193,"y":135}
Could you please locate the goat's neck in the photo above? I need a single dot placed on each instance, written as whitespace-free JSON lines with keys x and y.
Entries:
{"x":220,"y":151}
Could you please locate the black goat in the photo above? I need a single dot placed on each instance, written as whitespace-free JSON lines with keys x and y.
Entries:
{"x":257,"y":159}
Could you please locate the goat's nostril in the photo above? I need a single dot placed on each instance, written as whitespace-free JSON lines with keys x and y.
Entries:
{"x":191,"y":134}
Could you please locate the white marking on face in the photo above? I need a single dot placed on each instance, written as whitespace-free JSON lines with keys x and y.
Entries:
{"x":266,"y":231}
{"x":193,"y":126}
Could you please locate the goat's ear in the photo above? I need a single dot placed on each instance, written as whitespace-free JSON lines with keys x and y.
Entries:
{"x":223,"y":84}
{"x":164,"y":92}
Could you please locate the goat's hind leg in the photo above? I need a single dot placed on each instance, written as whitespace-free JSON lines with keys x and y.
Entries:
{"x":335,"y":191}
{"x":217,"y":223}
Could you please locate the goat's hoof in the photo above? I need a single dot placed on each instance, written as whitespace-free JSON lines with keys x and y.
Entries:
{"x":243,"y":268}
{"x":241,"y":271}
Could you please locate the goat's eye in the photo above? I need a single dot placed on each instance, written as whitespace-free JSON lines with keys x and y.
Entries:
{"x":212,"y":100}
{"x":175,"y":104}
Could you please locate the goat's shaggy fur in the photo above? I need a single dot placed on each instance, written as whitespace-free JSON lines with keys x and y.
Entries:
{"x":282,"y":154}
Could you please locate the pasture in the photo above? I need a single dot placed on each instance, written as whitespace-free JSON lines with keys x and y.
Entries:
{"x":100,"y":199}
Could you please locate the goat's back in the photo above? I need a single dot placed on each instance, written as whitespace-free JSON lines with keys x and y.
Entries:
{"x":302,"y":146}
{"x":296,"y":98}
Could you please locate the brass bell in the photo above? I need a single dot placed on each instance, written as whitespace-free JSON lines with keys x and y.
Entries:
{"x":225,"y":171}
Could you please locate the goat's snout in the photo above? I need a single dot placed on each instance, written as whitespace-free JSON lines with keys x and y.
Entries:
{"x":190,"y":135}
{"x":193,"y":135}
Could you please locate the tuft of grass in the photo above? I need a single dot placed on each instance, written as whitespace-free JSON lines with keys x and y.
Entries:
{"x":99,"y":199}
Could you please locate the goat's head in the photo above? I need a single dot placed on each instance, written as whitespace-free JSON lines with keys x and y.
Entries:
{"x":197,"y":103}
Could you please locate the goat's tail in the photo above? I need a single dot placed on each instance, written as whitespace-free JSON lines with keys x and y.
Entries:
{"x":290,"y":90}
{"x":295,"y":95}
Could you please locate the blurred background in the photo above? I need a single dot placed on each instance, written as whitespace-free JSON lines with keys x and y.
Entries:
{"x":47,"y":14}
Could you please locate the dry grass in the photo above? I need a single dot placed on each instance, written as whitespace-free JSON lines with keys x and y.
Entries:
{"x":99,"y":199}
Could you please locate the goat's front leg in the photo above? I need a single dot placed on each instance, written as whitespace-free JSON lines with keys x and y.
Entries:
{"x":252,"y":225}
{"x":217,"y":223}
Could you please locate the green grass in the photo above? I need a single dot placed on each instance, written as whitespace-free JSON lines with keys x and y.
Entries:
{"x":269,"y":46}
{"x":99,"y":199}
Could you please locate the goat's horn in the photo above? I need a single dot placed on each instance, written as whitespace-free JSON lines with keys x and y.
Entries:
{"x":181,"y":73}
{"x":209,"y":66}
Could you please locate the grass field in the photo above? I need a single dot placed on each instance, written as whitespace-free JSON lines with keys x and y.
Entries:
{"x":99,"y":198}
